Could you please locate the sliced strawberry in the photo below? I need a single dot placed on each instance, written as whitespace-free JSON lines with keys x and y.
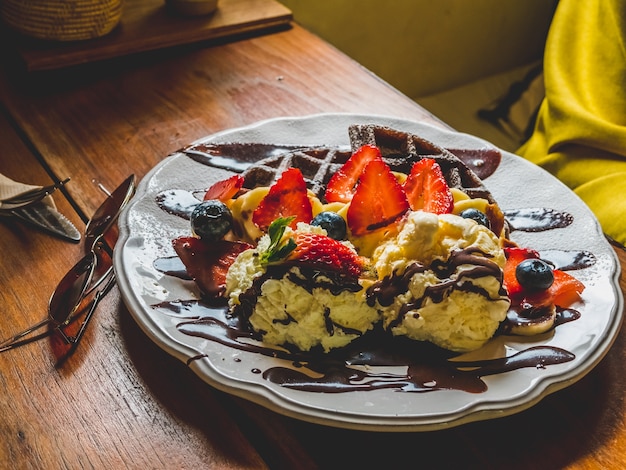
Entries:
{"x":225,"y":189}
{"x":564,"y":291}
{"x":287,"y":197}
{"x":426,"y":188}
{"x":514,"y":256}
{"x":340,"y":187}
{"x":207,"y":263}
{"x":322,"y":252}
{"x":378,"y":200}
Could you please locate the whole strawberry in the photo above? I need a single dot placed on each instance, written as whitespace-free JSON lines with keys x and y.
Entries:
{"x":312,"y":250}
{"x":325,"y":253}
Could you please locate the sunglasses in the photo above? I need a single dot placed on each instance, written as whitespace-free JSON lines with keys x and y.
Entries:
{"x":89,"y":280}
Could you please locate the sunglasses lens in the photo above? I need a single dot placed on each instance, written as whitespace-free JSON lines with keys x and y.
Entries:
{"x":106,"y":215}
{"x":69,"y":293}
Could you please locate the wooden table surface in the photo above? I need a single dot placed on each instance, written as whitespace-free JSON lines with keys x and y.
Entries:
{"x":122,"y":402}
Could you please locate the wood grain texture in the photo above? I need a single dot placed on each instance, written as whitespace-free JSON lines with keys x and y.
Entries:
{"x":106,"y":123}
{"x":107,"y":406}
{"x":121,"y":401}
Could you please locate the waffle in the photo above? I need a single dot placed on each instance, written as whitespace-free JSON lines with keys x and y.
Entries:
{"x":399,"y":149}
{"x":316,"y":164}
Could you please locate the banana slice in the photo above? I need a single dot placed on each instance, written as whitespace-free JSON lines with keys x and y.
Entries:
{"x":532,"y":323}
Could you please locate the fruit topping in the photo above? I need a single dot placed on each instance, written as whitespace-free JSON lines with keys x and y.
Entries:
{"x":378,"y":200}
{"x":208,"y":263}
{"x":477,"y":216}
{"x":426,"y":188}
{"x":211,"y":220}
{"x":322,"y":252}
{"x":534,"y":274}
{"x":310,"y":249}
{"x":278,"y":249}
{"x":562,"y":292}
{"x":566,"y":289}
{"x":341,"y":186}
{"x":515,"y":256}
{"x":333,"y":223}
{"x":287,"y":197}
{"x":226,"y":189}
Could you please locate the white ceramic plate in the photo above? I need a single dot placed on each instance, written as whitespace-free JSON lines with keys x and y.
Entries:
{"x":146,"y":232}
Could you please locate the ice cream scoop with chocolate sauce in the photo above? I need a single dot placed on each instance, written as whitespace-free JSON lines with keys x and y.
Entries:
{"x":441,"y":281}
{"x":297,"y":305}
{"x":438,"y":279}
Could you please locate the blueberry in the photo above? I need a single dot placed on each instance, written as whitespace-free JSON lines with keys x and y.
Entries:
{"x":477,"y":216}
{"x":534,"y":274}
{"x":211,"y":220}
{"x":333,"y":223}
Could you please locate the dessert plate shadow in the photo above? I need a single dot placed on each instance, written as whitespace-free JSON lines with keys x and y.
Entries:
{"x":162,"y":300}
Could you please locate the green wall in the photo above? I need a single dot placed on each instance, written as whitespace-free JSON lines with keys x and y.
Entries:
{"x":427,"y":46}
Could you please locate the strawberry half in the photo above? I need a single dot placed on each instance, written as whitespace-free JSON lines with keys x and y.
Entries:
{"x":225,"y":189}
{"x":287,"y":197}
{"x":341,"y":186}
{"x":426,"y":188}
{"x":564,"y":291}
{"x":322,"y":252}
{"x":378,"y":200}
{"x":514,"y":256}
{"x":208,"y":264}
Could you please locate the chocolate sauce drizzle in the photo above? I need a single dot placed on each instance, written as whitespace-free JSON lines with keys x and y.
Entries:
{"x":428,"y":368}
{"x":178,"y":202}
{"x":537,"y":219}
{"x":420,"y":377}
{"x":352,"y":368}
{"x":387,"y":289}
{"x":236,"y":157}
{"x":308,"y":280}
{"x":483,"y":161}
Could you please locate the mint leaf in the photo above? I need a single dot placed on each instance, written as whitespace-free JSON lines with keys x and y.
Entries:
{"x":276,"y":252}
{"x":282,"y":252}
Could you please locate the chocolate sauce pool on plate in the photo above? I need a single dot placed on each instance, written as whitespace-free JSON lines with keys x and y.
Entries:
{"x":178,"y":202}
{"x":483,"y":161}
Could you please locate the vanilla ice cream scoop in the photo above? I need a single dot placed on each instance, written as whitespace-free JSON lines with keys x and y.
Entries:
{"x":298,"y":305}
{"x":441,"y":281}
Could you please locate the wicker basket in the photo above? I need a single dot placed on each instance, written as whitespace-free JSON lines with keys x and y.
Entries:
{"x":62,"y":20}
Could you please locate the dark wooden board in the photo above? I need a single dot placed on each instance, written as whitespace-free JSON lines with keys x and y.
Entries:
{"x":148,"y":25}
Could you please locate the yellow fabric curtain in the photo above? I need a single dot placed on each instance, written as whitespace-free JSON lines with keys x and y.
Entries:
{"x":580,"y":134}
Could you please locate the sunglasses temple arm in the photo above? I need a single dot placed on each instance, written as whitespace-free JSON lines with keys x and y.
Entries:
{"x":17,"y":340}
